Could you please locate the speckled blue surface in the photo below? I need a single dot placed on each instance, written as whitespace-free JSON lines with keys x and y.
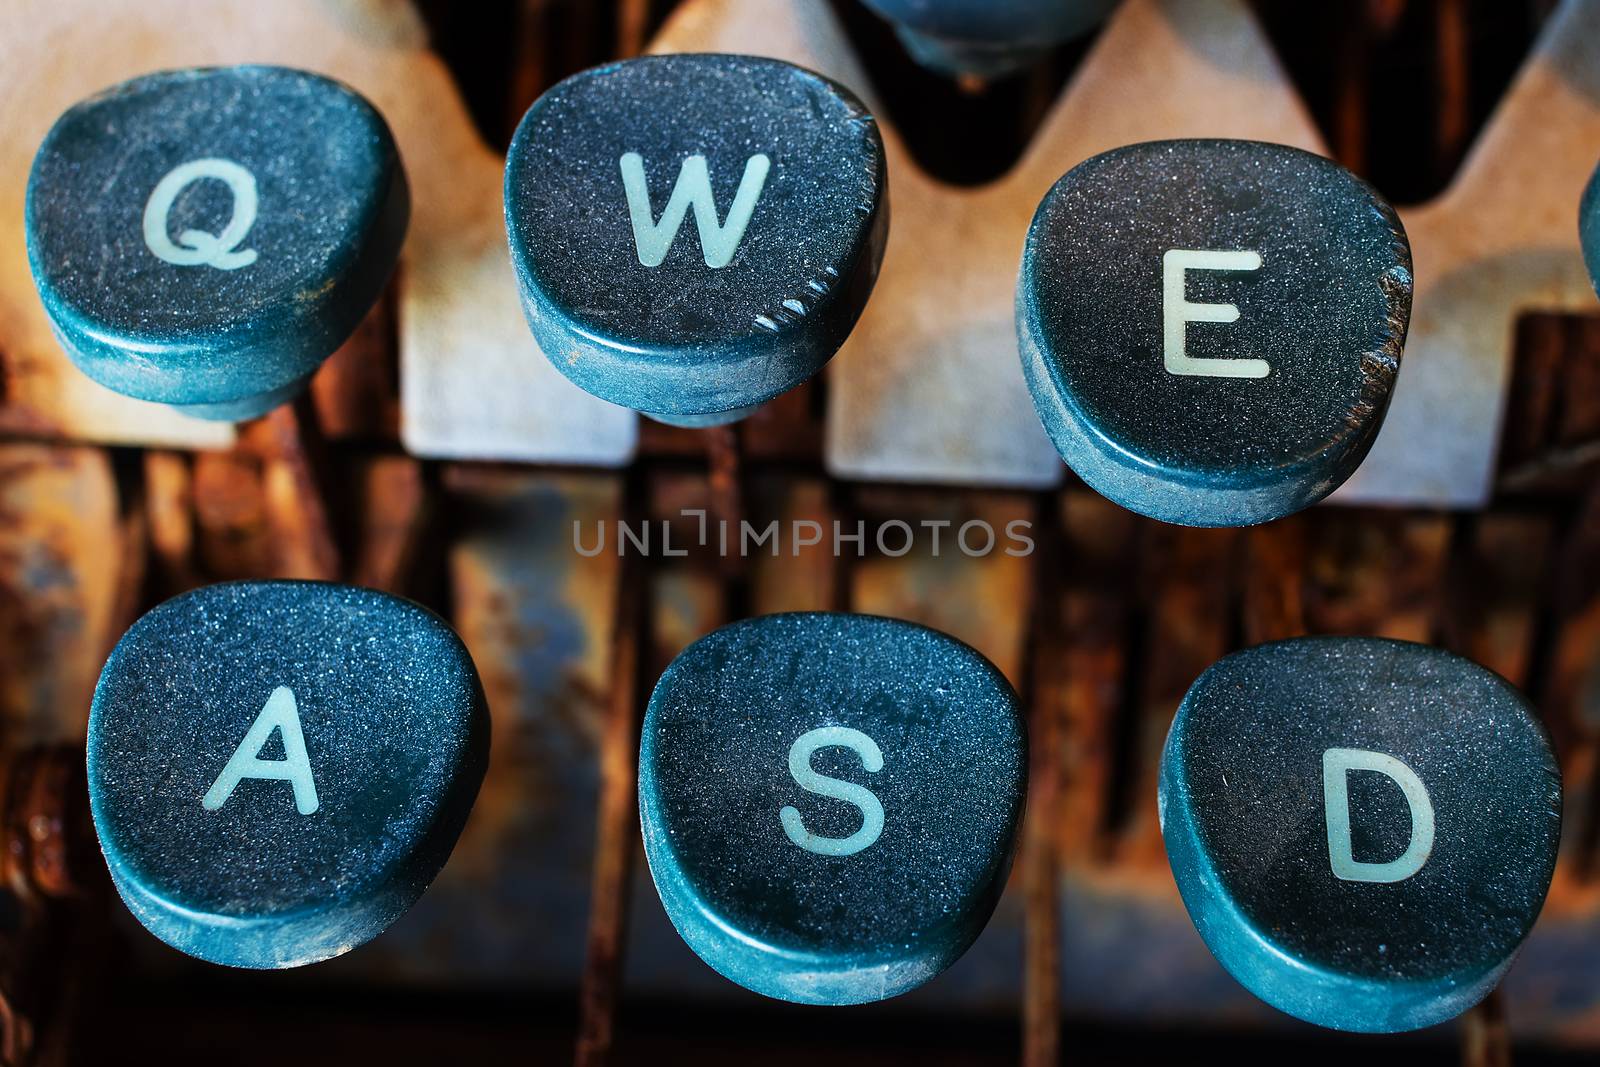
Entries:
{"x":397,"y":737}
{"x":1328,"y":310}
{"x":987,"y":38}
{"x":1243,"y":814}
{"x":714,"y":776}
{"x":683,"y":341}
{"x":1589,"y":227}
{"x":227,"y":344}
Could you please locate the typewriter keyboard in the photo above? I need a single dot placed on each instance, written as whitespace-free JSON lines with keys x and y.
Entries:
{"x":867,"y":530}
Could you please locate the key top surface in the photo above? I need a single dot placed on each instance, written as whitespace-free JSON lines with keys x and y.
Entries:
{"x":695,"y":234}
{"x":1363,"y":830}
{"x":206,"y":238}
{"x":987,"y":38}
{"x":277,"y":770}
{"x":1211,"y":329}
{"x":1589,"y":227}
{"x":829,"y":802}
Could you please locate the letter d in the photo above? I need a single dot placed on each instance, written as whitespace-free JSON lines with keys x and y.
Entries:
{"x":1337,"y":763}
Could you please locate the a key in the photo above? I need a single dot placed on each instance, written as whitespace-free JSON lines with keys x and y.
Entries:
{"x":829,"y":802}
{"x":1211,"y":329}
{"x":1589,"y":227}
{"x":206,"y":238}
{"x":1363,"y":830}
{"x":277,"y":770}
{"x":695,"y":234}
{"x":987,"y":38}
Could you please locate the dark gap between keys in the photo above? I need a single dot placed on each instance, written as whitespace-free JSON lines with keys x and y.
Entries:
{"x":1376,"y":75}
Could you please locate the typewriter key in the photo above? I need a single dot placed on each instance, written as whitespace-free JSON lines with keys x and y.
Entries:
{"x":783,"y":174}
{"x":829,"y":802}
{"x":987,"y":38}
{"x":206,"y":238}
{"x":1211,"y":329}
{"x":277,"y":770}
{"x":1589,"y":227}
{"x":1363,"y":830}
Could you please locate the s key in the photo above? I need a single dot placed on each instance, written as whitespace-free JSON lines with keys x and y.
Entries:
{"x":1211,"y":330}
{"x":830,"y":801}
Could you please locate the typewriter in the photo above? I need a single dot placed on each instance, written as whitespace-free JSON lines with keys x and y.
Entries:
{"x":895,"y":531}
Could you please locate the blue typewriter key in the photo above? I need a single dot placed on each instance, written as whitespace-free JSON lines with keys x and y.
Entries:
{"x":987,"y":38}
{"x":1363,"y":830}
{"x":1211,"y":329}
{"x":829,"y":802}
{"x":1589,"y":227}
{"x":206,"y":238}
{"x":277,"y":770}
{"x":695,"y":234}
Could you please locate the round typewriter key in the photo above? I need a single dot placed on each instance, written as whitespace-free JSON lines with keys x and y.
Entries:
{"x":1211,"y":329}
{"x":987,"y":38}
{"x":695,"y":234}
{"x":277,"y":770}
{"x":1589,"y":227}
{"x":206,"y":238}
{"x":829,"y":802}
{"x":1363,"y":830}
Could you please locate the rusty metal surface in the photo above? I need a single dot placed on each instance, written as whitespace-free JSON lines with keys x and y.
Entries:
{"x":59,"y":562}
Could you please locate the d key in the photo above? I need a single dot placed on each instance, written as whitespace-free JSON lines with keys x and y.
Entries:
{"x":1363,"y":830}
{"x":206,"y":238}
{"x":829,"y":802}
{"x":1211,"y":329}
{"x":277,"y":770}
{"x":695,"y":234}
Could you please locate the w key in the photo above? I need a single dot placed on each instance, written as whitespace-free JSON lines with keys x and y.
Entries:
{"x":277,"y":770}
{"x":695,"y":234}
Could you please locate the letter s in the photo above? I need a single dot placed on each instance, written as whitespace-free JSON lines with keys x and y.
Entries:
{"x":871,"y":810}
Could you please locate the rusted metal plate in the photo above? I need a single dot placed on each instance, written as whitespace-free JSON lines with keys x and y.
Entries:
{"x":233,"y":529}
{"x":536,"y":616}
{"x":59,"y":569}
{"x":1185,"y":593}
{"x":806,"y":577}
{"x":1499,"y":580}
{"x":983,"y":599}
{"x":1376,"y":573}
{"x":396,"y":514}
{"x":356,"y":393}
{"x":1092,"y":668}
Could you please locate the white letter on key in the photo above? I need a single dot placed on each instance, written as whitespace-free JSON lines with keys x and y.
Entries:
{"x":1177,"y":312}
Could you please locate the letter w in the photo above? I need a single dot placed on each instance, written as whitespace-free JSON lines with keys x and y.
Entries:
{"x":718,"y":242}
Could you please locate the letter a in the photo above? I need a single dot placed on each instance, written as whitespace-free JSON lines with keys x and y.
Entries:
{"x":718,"y":242}
{"x":281,"y":714}
{"x":1337,"y":763}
